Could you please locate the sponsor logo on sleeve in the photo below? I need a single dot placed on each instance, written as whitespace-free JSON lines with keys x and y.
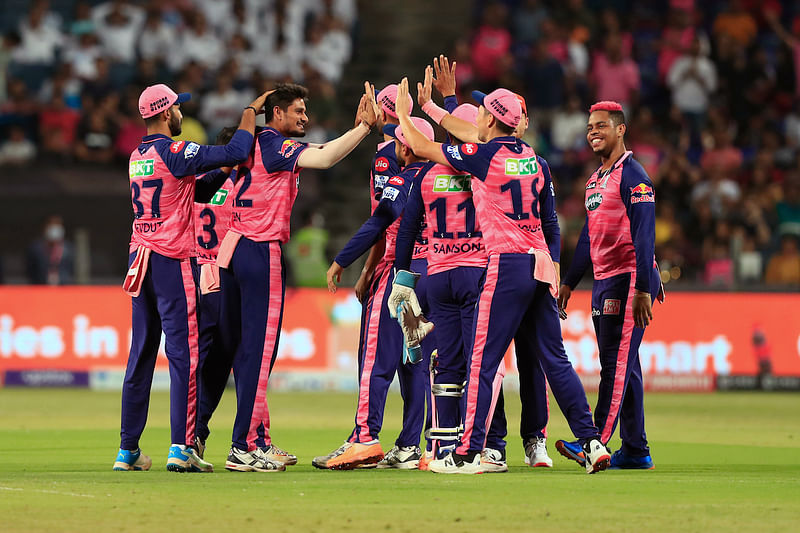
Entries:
{"x":144,"y":167}
{"x":191,"y":150}
{"x":289,"y":147}
{"x":611,"y":307}
{"x":552,"y":189}
{"x":469,"y":148}
{"x":642,"y":193}
{"x":595,"y":311}
{"x":396,"y":180}
{"x":454,"y":153}
{"x":458,"y":183}
{"x":176,"y":147}
{"x":522,"y":167}
{"x":381,"y":164}
{"x":594,"y":201}
{"x":390,"y":193}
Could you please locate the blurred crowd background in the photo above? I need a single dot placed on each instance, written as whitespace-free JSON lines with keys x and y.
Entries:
{"x":711,"y":91}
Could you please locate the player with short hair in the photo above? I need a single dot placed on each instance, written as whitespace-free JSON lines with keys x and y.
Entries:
{"x":514,"y":201}
{"x":381,"y":341}
{"x":252,"y":273}
{"x":162,"y":272}
{"x":618,"y":241}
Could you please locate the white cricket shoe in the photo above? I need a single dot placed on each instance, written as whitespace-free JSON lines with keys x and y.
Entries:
{"x":597,"y":456}
{"x":457,"y":464}
{"x":255,"y":461}
{"x":493,"y":460}
{"x":536,"y":453}
{"x":401,"y":457}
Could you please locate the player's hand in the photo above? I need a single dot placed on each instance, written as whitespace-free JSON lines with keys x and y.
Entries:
{"x":368,"y":108}
{"x":362,"y":285}
{"x":334,"y":276}
{"x":401,"y":104}
{"x":642,"y":309}
{"x":564,"y":293}
{"x":403,"y":292}
{"x":445,"y":81}
{"x":259,"y":102}
{"x":424,"y":89}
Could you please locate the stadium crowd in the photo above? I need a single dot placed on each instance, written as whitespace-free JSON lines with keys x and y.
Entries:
{"x":711,"y":91}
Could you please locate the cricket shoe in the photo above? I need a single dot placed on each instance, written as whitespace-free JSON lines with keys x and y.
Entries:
{"x":536,"y":453}
{"x":493,"y":460}
{"x":132,"y":460}
{"x":622,"y":461}
{"x":182,"y":458}
{"x":200,"y":446}
{"x":571,"y":450}
{"x":453,"y":463}
{"x":425,"y":461}
{"x":255,"y":461}
{"x":274,"y":453}
{"x":597,"y":456}
{"x":402,"y":458}
{"x":353,"y":455}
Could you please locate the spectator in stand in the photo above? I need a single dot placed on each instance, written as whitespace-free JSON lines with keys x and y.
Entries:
{"x":615,"y":77}
{"x":306,"y":252}
{"x":223,"y":105}
{"x":241,"y":21}
{"x":788,"y":208}
{"x":82,"y":19}
{"x":693,"y":80}
{"x":82,"y":54}
{"x":155,"y":36}
{"x":527,"y":21}
{"x":646,"y":142}
{"x":722,"y":155}
{"x":492,"y":41}
{"x":118,"y":24}
{"x":19,"y":109}
{"x":58,"y":124}
{"x":50,"y":259}
{"x":9,"y":42}
{"x":544,"y":97}
{"x":784,"y":267}
{"x":95,"y":138}
{"x":327,"y":47}
{"x":17,"y":150}
{"x":718,"y":191}
{"x":40,"y":37}
{"x":675,"y":39}
{"x":283,"y":62}
{"x":130,"y":127}
{"x":198,"y":43}
{"x":569,"y":126}
{"x":737,"y":23}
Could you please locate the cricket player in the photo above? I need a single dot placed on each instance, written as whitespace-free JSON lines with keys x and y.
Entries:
{"x":162,"y":272}
{"x":252,"y":273}
{"x":618,"y":241}
{"x":381,"y":342}
{"x":514,"y":201}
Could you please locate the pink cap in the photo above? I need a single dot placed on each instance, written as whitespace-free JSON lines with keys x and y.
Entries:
{"x":502,"y":104}
{"x":158,"y":98}
{"x":467,"y":112}
{"x":387,"y":99}
{"x":420,"y":123}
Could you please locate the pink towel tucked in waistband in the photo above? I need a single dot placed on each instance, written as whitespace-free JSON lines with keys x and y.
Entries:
{"x":545,"y":270}
{"x":227,"y":247}
{"x":135,"y":276}
{"x":209,"y":278}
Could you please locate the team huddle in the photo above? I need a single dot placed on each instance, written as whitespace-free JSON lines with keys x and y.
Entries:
{"x":464,"y":250}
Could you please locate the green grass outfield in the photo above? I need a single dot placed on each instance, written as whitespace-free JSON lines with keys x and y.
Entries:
{"x":724,"y":462}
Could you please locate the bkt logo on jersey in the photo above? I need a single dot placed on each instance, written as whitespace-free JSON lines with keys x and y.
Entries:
{"x":219,"y":197}
{"x":459,"y":183}
{"x":145,"y":167}
{"x":594,"y":201}
{"x":522,"y":167}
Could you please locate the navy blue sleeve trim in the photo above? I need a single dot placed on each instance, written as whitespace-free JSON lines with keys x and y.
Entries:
{"x":409,"y":225}
{"x":207,"y":186}
{"x":547,"y":211}
{"x":367,"y":235}
{"x":450,"y":103}
{"x":638,"y":195}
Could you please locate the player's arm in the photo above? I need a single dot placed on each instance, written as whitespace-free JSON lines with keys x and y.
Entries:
{"x":419,"y":144}
{"x":461,"y":129}
{"x":638,"y":195}
{"x":547,"y":212}
{"x":334,"y":151}
{"x":364,"y":280}
{"x":409,"y":225}
{"x":207,"y":185}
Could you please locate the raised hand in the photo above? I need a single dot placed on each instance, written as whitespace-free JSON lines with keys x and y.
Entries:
{"x":445,"y":81}
{"x":368,"y":107}
{"x":259,"y":102}
{"x":424,"y":89}
{"x":401,"y":104}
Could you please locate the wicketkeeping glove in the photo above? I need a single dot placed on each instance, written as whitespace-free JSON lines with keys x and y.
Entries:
{"x":403,"y":291}
{"x":415,"y":328}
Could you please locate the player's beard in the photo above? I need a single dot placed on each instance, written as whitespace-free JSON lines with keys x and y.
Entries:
{"x":175,"y":125}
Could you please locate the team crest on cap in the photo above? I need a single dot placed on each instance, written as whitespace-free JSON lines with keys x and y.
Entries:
{"x":176,"y":147}
{"x":386,"y":101}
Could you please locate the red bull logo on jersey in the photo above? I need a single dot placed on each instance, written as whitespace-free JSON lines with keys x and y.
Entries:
{"x":522,"y":167}
{"x":642,"y":193}
{"x":594,"y":201}
{"x":458,"y":183}
{"x":219,"y":197}
{"x":144,"y":167}
{"x":289,"y":147}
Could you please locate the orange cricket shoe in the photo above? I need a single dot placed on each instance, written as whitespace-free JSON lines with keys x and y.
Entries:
{"x":354,"y":456}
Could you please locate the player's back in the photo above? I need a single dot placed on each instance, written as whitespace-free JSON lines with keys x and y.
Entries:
{"x":384,"y":166}
{"x":162,"y":202}
{"x":211,"y":222}
{"x":453,"y":232}
{"x":267,"y":188}
{"x":396,"y":192}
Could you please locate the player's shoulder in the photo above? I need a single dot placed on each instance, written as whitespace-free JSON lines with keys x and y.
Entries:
{"x":632,"y":170}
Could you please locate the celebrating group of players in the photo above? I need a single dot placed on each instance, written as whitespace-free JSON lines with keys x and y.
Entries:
{"x":462,"y":236}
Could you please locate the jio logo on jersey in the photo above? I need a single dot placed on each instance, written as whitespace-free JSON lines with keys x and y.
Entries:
{"x":381,"y":164}
{"x":594,"y":201}
{"x":469,"y":149}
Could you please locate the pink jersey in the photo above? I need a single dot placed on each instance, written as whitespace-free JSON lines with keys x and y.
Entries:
{"x":513,"y":194}
{"x":162,"y":205}
{"x":267,"y":188}
{"x":211,"y":222}
{"x":453,"y":234}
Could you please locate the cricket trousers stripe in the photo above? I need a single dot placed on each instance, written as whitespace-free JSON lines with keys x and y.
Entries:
{"x":481,"y":335}
{"x":370,"y":353}
{"x":260,"y":414}
{"x":190,"y":289}
{"x":497,"y":388}
{"x":621,"y":367}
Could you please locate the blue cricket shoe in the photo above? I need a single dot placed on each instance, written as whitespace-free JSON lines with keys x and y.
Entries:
{"x":621,"y":461}
{"x":572,"y":450}
{"x":132,"y":460}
